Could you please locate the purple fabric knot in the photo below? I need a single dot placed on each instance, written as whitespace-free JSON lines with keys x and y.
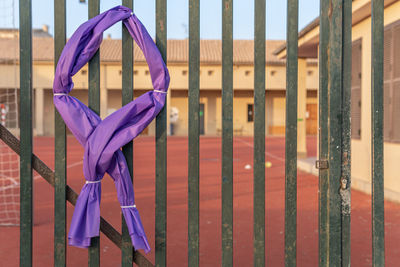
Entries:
{"x":103,"y":140}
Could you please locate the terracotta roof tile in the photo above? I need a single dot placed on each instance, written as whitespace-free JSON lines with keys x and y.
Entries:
{"x":111,"y":50}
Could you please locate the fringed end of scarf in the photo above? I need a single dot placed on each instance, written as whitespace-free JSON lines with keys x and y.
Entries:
{"x":135,"y":228}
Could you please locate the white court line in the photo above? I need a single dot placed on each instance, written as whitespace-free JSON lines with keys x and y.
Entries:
{"x":68,"y":166}
{"x":266,"y":153}
{"x":16,"y":183}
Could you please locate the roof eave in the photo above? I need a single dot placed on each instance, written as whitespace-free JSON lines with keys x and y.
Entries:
{"x":281,"y":51}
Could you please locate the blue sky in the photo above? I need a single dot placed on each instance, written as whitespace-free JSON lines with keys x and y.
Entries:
{"x":177,"y":20}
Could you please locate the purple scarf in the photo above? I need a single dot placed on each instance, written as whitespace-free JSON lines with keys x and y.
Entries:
{"x":103,"y":140}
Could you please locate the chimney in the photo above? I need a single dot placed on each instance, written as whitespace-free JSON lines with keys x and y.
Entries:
{"x":45,"y":28}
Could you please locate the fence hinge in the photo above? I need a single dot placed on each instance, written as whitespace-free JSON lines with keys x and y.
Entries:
{"x":321,"y":164}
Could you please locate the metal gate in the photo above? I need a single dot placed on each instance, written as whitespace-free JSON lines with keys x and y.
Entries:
{"x":334,"y":136}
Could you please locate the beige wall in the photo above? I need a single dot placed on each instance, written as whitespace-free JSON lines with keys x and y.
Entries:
{"x":361,"y":164}
{"x":275,"y":111}
{"x":210,"y":77}
{"x":210,"y":84}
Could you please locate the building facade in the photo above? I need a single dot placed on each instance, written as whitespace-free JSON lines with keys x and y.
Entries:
{"x":361,"y":91}
{"x":210,"y":84}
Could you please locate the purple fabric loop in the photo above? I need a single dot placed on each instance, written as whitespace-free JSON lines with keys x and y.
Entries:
{"x":103,"y":140}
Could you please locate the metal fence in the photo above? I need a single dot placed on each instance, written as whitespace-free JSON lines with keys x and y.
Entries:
{"x":334,"y":136}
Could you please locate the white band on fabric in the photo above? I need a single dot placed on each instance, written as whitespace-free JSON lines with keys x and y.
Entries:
{"x":60,"y":94}
{"x":93,"y":182}
{"x":126,"y":207}
{"x":159,"y":91}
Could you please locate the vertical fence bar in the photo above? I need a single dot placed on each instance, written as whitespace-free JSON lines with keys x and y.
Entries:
{"x":259,"y":133}
{"x":346,"y":134}
{"x":60,"y":153}
{"x":227,"y":133}
{"x":378,"y":211}
{"x":127,"y":97}
{"x":94,"y":104}
{"x":26,"y":190}
{"x":335,"y":132}
{"x":161,"y":146}
{"x":323,"y":131}
{"x":194,"y":132}
{"x":291,"y":135}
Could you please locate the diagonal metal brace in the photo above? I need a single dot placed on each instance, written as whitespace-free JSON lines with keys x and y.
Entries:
{"x":48,"y":174}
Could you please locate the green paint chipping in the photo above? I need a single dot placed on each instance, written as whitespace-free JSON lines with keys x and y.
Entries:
{"x":291,"y":135}
{"x":194,"y":132}
{"x":378,"y":221}
{"x":26,"y":192}
{"x":161,"y":147}
{"x":60,"y":153}
{"x":259,"y":134}
{"x":227,"y":133}
{"x":94,"y":104}
{"x":127,"y":251}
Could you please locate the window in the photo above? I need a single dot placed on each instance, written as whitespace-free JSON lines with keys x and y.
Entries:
{"x":250,"y":112}
{"x":356,"y":90}
{"x":391,"y":93}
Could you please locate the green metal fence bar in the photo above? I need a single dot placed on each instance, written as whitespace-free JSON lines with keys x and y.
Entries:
{"x":127,"y":96}
{"x":291,"y":135}
{"x":94,"y":104}
{"x":227,"y":133}
{"x":323,"y":131}
{"x":335,"y":132}
{"x":378,"y":211}
{"x":346,"y":133}
{"x":26,"y":192}
{"x":161,"y":146}
{"x":60,"y":152}
{"x":194,"y":132}
{"x":259,"y":133}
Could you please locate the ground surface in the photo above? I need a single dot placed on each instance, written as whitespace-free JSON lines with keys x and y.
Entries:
{"x":210,"y":208}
